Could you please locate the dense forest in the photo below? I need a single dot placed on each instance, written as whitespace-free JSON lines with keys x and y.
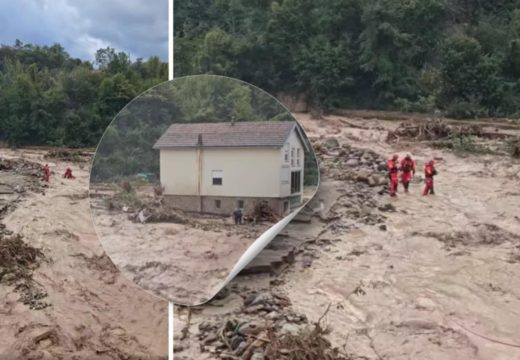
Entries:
{"x":49,"y":98}
{"x":126,"y":148}
{"x":460,"y":56}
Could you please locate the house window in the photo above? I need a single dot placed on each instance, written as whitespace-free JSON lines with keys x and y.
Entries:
{"x":296,"y":181}
{"x":286,"y":153}
{"x":216,"y":175}
{"x":240,"y":204}
{"x":298,"y":157}
{"x":217,"y":204}
{"x":292,"y":156}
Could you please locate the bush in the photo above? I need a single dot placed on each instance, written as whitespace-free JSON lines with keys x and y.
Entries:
{"x":425,"y":104}
{"x":464,"y":145}
{"x":464,"y":110}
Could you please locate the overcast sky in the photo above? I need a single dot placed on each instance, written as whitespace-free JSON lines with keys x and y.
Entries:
{"x":138,"y":27}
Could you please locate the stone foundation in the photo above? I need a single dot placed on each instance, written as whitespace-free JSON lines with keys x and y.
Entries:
{"x":208,"y":204}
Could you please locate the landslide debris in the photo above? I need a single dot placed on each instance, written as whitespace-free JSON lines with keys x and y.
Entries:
{"x":18,"y":260}
{"x":71,"y":155}
{"x":20,"y":175}
{"x":481,"y":235}
{"x":346,"y":163}
{"x":432,"y":130}
{"x":264,"y":328}
{"x":263,"y":212}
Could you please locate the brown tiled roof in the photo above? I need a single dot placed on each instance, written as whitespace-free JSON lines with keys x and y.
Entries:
{"x":240,"y":134}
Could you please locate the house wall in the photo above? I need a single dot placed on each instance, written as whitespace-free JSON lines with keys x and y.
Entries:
{"x":251,"y":172}
{"x":179,"y":173}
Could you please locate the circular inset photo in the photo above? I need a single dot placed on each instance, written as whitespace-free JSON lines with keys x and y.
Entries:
{"x":188,"y":175}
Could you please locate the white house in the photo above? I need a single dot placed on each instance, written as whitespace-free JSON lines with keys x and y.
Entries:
{"x":215,"y":167}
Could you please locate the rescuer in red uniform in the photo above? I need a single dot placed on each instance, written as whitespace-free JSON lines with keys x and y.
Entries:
{"x":407,"y":171}
{"x":68,"y":174}
{"x":46,"y":173}
{"x":393,"y":171}
{"x":429,"y":173}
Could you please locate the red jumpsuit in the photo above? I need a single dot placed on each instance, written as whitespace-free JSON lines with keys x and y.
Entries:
{"x":408,"y":169}
{"x":68,"y":174}
{"x":429,"y":173}
{"x":46,"y":173}
{"x":393,"y":174}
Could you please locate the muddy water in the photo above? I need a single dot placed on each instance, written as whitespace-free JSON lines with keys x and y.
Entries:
{"x":179,"y":262}
{"x":405,"y":293}
{"x":95,"y":312}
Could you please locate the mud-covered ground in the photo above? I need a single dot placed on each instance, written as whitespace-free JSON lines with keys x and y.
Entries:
{"x":87,"y":310}
{"x":181,"y":256}
{"x":184,"y":262}
{"x":407,"y":278}
{"x":413,"y":277}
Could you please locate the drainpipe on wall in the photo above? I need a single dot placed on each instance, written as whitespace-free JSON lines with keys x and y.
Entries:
{"x":199,"y":164}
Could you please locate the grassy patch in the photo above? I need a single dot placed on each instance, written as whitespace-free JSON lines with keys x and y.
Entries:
{"x":464,"y":145}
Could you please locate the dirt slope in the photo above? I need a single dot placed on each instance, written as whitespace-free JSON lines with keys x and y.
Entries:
{"x":95,"y":313}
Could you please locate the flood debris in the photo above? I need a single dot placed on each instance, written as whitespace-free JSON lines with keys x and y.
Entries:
{"x":347,"y":163}
{"x":18,"y":260}
{"x":481,"y":235}
{"x":431,"y":130}
{"x":263,"y":212}
{"x":19,"y":176}
{"x":156,"y":211}
{"x":308,"y":343}
{"x":21,"y":166}
{"x":72,"y":155}
{"x":268,"y":330}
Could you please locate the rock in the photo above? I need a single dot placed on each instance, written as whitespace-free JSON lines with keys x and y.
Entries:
{"x":362,"y":175}
{"x":273,"y":315}
{"x":236,"y":341}
{"x":376,"y":180}
{"x":206,"y":326}
{"x":387,"y":207}
{"x":331,"y":143}
{"x":291,"y":329}
{"x":178,"y":347}
{"x":257,"y":356}
{"x":241,"y":348}
{"x":381,"y":180}
{"x":352,"y":162}
{"x":212,"y":337}
{"x":382,"y":227}
{"x":250,"y":328}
